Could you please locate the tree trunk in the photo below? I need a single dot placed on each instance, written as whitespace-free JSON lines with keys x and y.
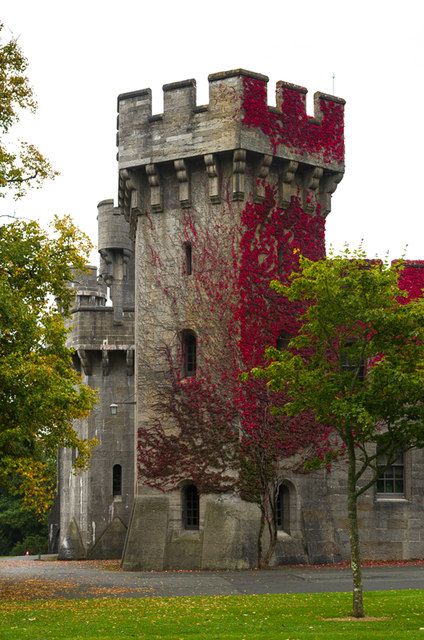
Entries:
{"x":355,"y":556}
{"x":272,"y":528}
{"x":268,"y":517}
{"x":260,"y":534}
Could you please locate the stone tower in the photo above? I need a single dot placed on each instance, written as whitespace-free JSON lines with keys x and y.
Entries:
{"x":200,"y":163}
{"x":96,"y":504}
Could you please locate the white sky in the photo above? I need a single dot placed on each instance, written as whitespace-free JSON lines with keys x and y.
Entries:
{"x":83,"y":54}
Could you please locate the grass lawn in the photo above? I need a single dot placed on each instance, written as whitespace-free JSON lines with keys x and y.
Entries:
{"x":400,"y":614}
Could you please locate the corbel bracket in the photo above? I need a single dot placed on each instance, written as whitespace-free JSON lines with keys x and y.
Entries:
{"x":130,"y":362}
{"x":310,"y":186}
{"x":129,"y":197}
{"x":239,"y":169}
{"x":86,"y":362}
{"x":328,"y":186}
{"x":288,"y":187}
{"x":105,"y":362}
{"x":156,"y":203}
{"x":184,"y":184}
{"x":213,"y":179}
{"x":263,"y":172}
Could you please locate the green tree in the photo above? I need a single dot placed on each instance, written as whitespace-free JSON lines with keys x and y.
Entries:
{"x":40,"y":392}
{"x":22,"y":165}
{"x":358,"y":364}
{"x":19,"y":530}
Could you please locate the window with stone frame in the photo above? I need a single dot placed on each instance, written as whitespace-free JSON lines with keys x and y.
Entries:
{"x":190,"y":507}
{"x":391,"y":479}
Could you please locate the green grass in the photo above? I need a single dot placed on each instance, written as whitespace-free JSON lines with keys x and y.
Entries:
{"x":286,"y":617}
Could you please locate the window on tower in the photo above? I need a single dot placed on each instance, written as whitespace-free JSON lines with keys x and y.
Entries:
{"x":188,"y":257}
{"x":189,"y":349}
{"x":190,"y":507}
{"x":117,"y":480}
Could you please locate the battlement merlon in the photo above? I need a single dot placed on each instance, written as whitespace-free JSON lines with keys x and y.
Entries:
{"x":236,"y":117}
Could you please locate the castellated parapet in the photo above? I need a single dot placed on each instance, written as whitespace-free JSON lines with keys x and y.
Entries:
{"x":309,"y":151}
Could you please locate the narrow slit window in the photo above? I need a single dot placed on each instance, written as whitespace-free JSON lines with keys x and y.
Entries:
{"x":282,"y":508}
{"x":188,"y":251}
{"x":189,"y":354}
{"x":117,"y":480}
{"x":190,"y":514}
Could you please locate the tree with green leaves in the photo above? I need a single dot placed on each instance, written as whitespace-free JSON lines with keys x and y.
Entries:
{"x":357,"y":363}
{"x":40,"y":391}
{"x":22,"y":165}
{"x":19,"y":530}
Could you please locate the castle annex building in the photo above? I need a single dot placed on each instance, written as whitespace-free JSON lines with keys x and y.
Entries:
{"x":214,"y":201}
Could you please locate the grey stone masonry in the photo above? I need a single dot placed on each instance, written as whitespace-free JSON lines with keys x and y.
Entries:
{"x":185,"y":130}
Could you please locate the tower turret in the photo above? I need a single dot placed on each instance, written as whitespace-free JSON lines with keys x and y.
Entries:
{"x":116,"y":257}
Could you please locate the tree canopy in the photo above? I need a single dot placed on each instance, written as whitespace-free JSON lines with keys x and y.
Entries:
{"x":22,"y":165}
{"x":357,"y":363}
{"x":40,"y":392}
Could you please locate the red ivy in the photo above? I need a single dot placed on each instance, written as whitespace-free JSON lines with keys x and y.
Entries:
{"x":412,"y":279}
{"x":292,"y":127}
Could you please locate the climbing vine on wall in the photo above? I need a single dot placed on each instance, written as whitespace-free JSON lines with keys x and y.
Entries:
{"x":412,"y":279}
{"x":221,"y":424}
{"x":291,"y":126}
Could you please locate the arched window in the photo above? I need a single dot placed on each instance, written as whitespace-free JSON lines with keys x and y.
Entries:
{"x":190,"y":507}
{"x":189,"y":353}
{"x":282,"y":508}
{"x":188,"y":255}
{"x":117,"y":480}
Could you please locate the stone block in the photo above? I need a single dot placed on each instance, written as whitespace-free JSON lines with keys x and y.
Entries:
{"x":146,"y":539}
{"x":184,"y":551}
{"x":230,"y":534}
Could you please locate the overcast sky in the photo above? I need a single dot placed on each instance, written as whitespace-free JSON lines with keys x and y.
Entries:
{"x":83,"y":54}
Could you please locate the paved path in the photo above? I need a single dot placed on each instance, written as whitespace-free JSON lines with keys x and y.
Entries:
{"x":47,"y":578}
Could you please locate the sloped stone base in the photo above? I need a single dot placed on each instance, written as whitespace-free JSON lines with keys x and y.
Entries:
{"x":72,"y":546}
{"x":111,"y":542}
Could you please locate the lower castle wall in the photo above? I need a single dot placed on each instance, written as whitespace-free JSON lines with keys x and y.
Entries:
{"x":390,"y":527}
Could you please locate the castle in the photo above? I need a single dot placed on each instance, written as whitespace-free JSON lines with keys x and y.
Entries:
{"x":189,"y":180}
